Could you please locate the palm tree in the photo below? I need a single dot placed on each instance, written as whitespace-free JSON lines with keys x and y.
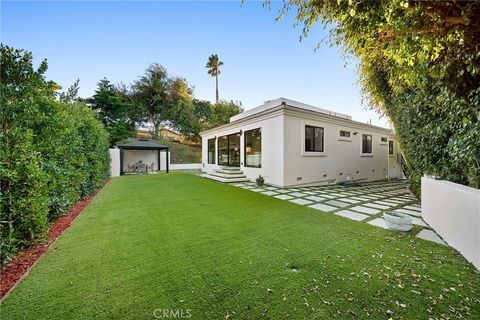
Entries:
{"x":213,"y":66}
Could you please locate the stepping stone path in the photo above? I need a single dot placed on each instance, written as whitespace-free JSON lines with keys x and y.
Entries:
{"x":365,"y":203}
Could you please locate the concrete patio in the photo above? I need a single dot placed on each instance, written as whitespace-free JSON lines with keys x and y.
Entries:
{"x":365,"y":203}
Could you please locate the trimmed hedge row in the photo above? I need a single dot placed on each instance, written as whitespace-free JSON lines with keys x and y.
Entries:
{"x":52,"y":152}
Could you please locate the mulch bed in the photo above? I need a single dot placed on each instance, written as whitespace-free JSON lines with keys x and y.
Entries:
{"x":16,"y":269}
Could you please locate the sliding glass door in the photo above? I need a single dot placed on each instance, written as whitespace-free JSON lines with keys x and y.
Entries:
{"x":229,"y":150}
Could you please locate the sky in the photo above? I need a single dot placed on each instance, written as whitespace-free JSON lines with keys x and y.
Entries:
{"x":263,"y":59}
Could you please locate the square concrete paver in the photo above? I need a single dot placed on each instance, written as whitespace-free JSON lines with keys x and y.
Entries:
{"x":269,"y":193}
{"x":377,"y":206}
{"x":362,"y":209}
{"x":350,"y":200}
{"x":258,"y":189}
{"x":410,"y":212}
{"x":351,"y":215}
{"x":297,"y":194}
{"x":379,"y":222}
{"x":419,"y":222}
{"x":283,"y":197}
{"x":323,"y":207}
{"x":301,"y":201}
{"x":315,"y":198}
{"x":337,"y":203}
{"x":414,"y":208}
{"x":430,"y":236}
{"x":329,"y":196}
{"x":282,"y":191}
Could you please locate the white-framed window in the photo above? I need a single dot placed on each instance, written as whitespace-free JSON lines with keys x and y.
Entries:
{"x":383,"y":140}
{"x":344,"y":135}
{"x":390,"y":147}
{"x":211,"y":150}
{"x":313,"y":139}
{"x":253,"y":148}
{"x":367,"y":146}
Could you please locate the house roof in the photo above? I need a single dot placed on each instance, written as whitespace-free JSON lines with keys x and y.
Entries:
{"x":284,"y":104}
{"x":278,"y":103}
{"x":142,"y":144}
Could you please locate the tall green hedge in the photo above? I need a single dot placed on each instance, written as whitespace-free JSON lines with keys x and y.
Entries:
{"x":52,"y":152}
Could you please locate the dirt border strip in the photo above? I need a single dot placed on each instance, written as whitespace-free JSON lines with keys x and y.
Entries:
{"x":20,"y":266}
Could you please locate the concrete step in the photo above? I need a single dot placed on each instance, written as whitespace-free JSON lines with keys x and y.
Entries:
{"x":208,"y":176}
{"x":230,"y":168}
{"x":229,"y":171}
{"x":228,"y":175}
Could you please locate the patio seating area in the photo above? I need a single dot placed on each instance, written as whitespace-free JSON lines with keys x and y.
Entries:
{"x":365,"y":202}
{"x":140,"y":168}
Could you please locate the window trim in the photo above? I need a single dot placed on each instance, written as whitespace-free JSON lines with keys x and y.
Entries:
{"x":313,"y":153}
{"x":245,"y":148}
{"x":341,"y":138}
{"x":392,"y":149}
{"x":213,"y":161}
{"x":383,"y":142}
{"x":369,"y":154}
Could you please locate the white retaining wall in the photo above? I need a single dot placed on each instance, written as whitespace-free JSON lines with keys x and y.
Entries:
{"x":114,"y":162}
{"x":453,"y":210}
{"x":186,"y":166}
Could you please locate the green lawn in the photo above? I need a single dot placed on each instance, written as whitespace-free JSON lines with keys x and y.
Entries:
{"x":178,"y":241}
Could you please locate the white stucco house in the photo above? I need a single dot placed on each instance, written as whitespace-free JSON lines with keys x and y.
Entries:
{"x":290,"y":143}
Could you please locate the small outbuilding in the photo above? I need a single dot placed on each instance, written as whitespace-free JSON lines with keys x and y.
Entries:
{"x":143,"y":156}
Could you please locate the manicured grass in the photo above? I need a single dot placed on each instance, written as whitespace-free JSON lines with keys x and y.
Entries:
{"x":178,"y":241}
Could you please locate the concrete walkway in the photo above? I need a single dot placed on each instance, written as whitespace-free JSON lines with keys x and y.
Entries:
{"x":364,"y":203}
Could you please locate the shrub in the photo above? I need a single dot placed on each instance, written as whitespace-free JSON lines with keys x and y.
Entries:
{"x":53,"y":152}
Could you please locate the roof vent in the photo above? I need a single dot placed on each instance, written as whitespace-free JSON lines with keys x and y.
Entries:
{"x":284,"y":103}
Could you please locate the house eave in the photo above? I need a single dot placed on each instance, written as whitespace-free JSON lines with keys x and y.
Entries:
{"x":296,"y":111}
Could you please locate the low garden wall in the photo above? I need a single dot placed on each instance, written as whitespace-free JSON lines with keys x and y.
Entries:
{"x":453,"y":210}
{"x":186,"y":166}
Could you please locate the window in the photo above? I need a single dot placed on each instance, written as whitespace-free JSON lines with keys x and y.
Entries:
{"x":223,"y":150}
{"x":253,"y":148}
{"x":366,"y":144}
{"x":390,"y":147}
{"x":383,"y":140}
{"x":344,"y":134}
{"x":211,"y":151}
{"x":313,"y":139}
{"x":229,"y":150}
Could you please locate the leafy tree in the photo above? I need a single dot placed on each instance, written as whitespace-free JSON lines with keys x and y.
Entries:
{"x":182,"y":114}
{"x":163,"y":100}
{"x":213,"y":66}
{"x":223,"y":111}
{"x":420,"y":66}
{"x":112,"y":109}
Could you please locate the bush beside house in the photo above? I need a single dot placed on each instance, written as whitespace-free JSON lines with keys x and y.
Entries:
{"x":53,"y":152}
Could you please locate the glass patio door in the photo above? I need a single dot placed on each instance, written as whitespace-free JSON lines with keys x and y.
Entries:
{"x":229,"y":150}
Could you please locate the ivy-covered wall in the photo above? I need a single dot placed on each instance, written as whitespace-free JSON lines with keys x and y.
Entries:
{"x":53,"y":152}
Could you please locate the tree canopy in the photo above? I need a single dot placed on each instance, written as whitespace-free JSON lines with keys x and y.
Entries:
{"x":113,"y":109}
{"x":420,"y":66}
{"x":159,"y":100}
